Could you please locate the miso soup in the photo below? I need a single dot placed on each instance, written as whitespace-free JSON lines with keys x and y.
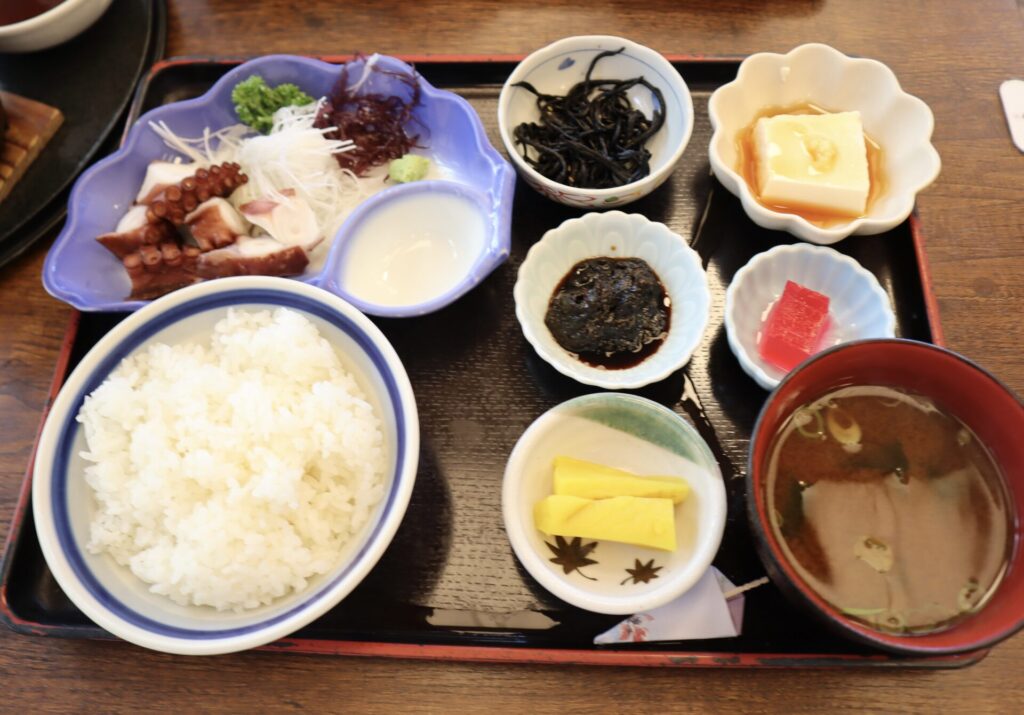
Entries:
{"x":889,"y":508}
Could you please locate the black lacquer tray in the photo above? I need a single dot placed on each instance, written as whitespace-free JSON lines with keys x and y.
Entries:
{"x":449,"y":586}
{"x":91,"y":79}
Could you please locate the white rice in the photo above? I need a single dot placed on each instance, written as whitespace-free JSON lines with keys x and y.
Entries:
{"x":229,"y":474}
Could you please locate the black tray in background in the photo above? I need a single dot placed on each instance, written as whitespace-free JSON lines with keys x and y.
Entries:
{"x":91,"y":79}
{"x":479,"y":385}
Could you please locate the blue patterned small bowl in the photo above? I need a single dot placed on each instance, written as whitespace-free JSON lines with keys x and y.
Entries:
{"x":63,"y":504}
{"x":560,"y":65}
{"x":79,"y":271}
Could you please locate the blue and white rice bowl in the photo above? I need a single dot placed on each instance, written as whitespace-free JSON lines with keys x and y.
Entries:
{"x":63,"y":503}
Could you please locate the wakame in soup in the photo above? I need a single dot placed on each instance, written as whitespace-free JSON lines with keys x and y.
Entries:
{"x":889,"y":508}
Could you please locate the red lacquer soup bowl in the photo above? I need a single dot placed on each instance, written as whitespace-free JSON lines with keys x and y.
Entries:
{"x":979,"y":400}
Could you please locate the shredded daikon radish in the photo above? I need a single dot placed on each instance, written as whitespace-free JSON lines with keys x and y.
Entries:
{"x":367,"y":72}
{"x":211,"y":148}
{"x":294,"y":155}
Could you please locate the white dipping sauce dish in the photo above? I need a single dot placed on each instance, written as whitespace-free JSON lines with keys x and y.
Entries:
{"x":415,"y":248}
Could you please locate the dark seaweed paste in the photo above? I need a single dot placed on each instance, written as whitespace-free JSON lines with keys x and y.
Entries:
{"x":610,"y":312}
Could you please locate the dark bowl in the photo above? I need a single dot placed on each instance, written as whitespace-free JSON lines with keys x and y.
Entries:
{"x":983,"y":403}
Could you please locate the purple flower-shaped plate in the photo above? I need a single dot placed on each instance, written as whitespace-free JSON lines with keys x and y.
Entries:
{"x":80,"y":271}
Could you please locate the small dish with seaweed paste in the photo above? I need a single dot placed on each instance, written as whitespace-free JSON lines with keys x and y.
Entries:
{"x":578,"y":326}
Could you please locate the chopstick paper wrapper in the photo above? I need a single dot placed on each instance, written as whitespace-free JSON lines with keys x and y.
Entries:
{"x":713,"y":608}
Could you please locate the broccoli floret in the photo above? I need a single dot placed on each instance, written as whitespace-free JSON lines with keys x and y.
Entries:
{"x":255,"y":102}
{"x":409,"y":168}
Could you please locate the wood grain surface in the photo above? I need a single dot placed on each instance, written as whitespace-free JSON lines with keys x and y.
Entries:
{"x":30,"y":125}
{"x":953,"y":55}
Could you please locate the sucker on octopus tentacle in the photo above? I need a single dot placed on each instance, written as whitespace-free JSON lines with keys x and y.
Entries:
{"x":150,"y":249}
{"x":172,"y":204}
{"x":178,"y":200}
{"x":156,"y":270}
{"x":160,"y":175}
{"x":134,"y":231}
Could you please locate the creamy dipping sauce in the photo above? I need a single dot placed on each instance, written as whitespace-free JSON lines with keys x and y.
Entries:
{"x":414,"y":248}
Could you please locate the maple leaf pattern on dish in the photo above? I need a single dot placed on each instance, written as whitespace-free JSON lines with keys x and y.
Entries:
{"x":641,"y":573}
{"x":572,"y":555}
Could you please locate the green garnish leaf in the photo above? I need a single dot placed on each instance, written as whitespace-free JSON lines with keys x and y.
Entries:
{"x":791,"y":509}
{"x":255,"y":101}
{"x":875,"y":553}
{"x":843,"y":427}
{"x":804,"y":417}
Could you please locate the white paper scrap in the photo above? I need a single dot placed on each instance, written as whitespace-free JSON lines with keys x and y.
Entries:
{"x":1012,"y":93}
{"x":702,"y":612}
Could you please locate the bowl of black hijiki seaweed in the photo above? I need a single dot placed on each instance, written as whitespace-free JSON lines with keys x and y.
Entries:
{"x":613,"y":300}
{"x":595,"y":121}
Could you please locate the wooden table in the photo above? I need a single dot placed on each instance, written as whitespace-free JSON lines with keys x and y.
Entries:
{"x":953,"y":55}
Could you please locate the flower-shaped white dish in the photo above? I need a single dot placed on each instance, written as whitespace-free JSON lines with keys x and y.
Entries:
{"x":617,"y":235}
{"x":554,"y":69}
{"x":631,"y":433}
{"x":817,"y":74}
{"x":858,"y":306}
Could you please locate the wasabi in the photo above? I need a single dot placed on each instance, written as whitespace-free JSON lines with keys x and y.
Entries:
{"x":410,"y":167}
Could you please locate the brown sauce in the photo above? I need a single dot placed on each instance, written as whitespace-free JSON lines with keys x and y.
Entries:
{"x":612,"y":313}
{"x":12,"y":11}
{"x":889,"y":508}
{"x":747,"y":154}
{"x":622,"y":360}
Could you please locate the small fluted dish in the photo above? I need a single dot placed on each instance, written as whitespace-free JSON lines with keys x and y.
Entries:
{"x":817,"y":74}
{"x":616,"y":235}
{"x":81,"y":272}
{"x":554,"y":69}
{"x":641,"y":436}
{"x":858,"y":306}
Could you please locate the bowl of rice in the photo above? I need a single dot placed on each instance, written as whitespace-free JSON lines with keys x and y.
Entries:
{"x":225,"y":465}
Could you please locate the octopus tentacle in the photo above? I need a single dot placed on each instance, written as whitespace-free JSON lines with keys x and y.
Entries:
{"x":124,"y":243}
{"x":263,"y":257}
{"x":158,"y":269}
{"x":176,"y":201}
{"x":156,"y":260}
